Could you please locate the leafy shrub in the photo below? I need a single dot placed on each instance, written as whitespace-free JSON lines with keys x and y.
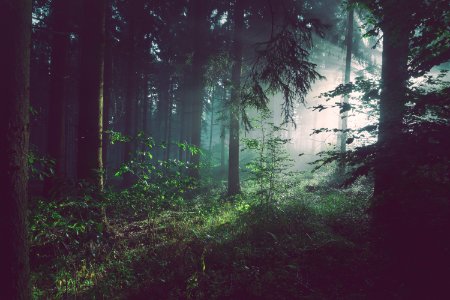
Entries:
{"x":157,"y":184}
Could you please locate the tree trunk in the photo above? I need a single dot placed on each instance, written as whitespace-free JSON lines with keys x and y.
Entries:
{"x":182,"y":139}
{"x":163,"y":108}
{"x":344,"y":116}
{"x":147,"y":109}
{"x":199,"y":15}
{"x":222,"y":133}
{"x":394,"y":77}
{"x":211,"y":122}
{"x":57,"y":99}
{"x":236,"y":55}
{"x":15,"y":30}
{"x":107,"y":88}
{"x":90,"y":124}
{"x":131,"y":87}
{"x":390,"y":233}
{"x":169,"y":127}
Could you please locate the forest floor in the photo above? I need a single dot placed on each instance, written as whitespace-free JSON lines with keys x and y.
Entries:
{"x":310,"y":243}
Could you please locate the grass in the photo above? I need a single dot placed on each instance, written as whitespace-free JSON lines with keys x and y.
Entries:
{"x":309,"y":245}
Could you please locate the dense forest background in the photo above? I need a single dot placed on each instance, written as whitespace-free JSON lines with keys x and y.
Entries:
{"x":211,"y":149}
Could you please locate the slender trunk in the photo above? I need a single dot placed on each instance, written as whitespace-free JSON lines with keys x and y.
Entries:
{"x":57,"y":99}
{"x":145,"y":109}
{"x":131,"y":86}
{"x":236,"y":54}
{"x":90,"y":124}
{"x":107,"y":88}
{"x":222,"y":134}
{"x":222,"y":146}
{"x":344,"y":102}
{"x":199,"y":14}
{"x":169,"y":127}
{"x":163,"y":108}
{"x":211,"y":123}
{"x":15,"y":30}
{"x":181,"y":152}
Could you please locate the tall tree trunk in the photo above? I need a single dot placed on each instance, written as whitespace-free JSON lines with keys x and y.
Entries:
{"x":182,"y":138}
{"x":131,"y":89}
{"x":107,"y":88}
{"x":56,"y":138}
{"x":388,"y":212}
{"x":147,"y":109}
{"x":163,"y":108}
{"x":344,"y":116}
{"x":199,"y":15}
{"x":169,"y":126}
{"x":15,"y":30}
{"x":394,"y":77}
{"x":90,"y":124}
{"x":222,"y":147}
{"x":234,"y":186}
{"x":223,"y":133}
{"x":211,"y":122}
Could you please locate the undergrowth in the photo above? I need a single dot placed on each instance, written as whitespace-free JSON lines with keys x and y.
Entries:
{"x":307,"y":243}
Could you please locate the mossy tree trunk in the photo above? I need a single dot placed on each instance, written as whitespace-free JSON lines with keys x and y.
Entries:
{"x":15,"y":30}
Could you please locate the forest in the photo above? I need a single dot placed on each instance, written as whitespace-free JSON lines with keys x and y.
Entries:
{"x":225,"y":149}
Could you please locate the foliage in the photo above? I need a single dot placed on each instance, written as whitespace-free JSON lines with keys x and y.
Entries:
{"x":157,"y":184}
{"x":425,"y":129}
{"x":271,"y":166}
{"x":40,"y":166}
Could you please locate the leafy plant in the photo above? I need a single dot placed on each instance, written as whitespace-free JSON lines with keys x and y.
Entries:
{"x":272,"y":163}
{"x":158,"y":184}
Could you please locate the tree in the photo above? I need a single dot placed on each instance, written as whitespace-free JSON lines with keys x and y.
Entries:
{"x":404,"y":225}
{"x":198,"y":20}
{"x":235,"y":101}
{"x":15,"y":29}
{"x":56,"y":138}
{"x":90,"y":122}
{"x":344,"y":103}
{"x":108,"y":82}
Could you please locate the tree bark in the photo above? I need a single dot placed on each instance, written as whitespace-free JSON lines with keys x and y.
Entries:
{"x":56,"y":126}
{"x":163,"y":108}
{"x":211,"y":122}
{"x":107,"y":87}
{"x":169,"y":126}
{"x":394,"y":76}
{"x":236,"y":54}
{"x":199,"y":15}
{"x":147,"y":109}
{"x":131,"y":85}
{"x":344,"y":116}
{"x":15,"y":30}
{"x":223,"y":133}
{"x":90,"y":124}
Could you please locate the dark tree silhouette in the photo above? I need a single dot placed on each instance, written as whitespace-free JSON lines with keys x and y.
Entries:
{"x":15,"y":30}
